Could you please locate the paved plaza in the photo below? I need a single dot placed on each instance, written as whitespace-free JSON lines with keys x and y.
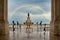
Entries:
{"x":29,"y":34}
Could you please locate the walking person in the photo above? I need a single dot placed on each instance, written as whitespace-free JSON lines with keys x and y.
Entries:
{"x":40,"y":25}
{"x":40,"y":28}
{"x":17,"y":24}
{"x":37,"y":26}
{"x":13,"y":26}
{"x":20,"y":27}
{"x":44,"y":30}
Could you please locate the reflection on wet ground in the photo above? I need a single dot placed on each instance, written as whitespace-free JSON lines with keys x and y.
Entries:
{"x":29,"y":35}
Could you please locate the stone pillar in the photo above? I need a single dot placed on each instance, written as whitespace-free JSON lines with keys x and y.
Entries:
{"x":55,"y":23}
{"x":57,"y":20}
{"x":3,"y":20}
{"x":52,"y":19}
{"x":57,"y":17}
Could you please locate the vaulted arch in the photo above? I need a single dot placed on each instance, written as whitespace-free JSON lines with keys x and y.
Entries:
{"x":55,"y":22}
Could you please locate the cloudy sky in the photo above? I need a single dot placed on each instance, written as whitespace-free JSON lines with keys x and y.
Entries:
{"x":39,"y":10}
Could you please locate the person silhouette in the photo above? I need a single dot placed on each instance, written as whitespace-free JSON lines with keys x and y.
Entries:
{"x":37,"y":26}
{"x":41,"y":23}
{"x":37,"y":23}
{"x":20,"y":27}
{"x":45,"y":27}
{"x":13,"y":25}
{"x":17,"y":24}
{"x":44,"y":30}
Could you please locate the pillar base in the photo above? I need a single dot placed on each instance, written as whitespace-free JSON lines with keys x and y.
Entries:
{"x":56,"y":34}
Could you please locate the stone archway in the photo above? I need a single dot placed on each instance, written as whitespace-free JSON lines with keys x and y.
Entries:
{"x":55,"y":23}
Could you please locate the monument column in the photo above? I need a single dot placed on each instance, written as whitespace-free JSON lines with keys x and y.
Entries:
{"x":3,"y":20}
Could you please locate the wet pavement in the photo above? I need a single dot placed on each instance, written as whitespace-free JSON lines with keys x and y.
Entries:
{"x":29,"y":35}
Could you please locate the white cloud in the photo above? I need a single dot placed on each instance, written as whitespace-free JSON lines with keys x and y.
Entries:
{"x":46,"y":15}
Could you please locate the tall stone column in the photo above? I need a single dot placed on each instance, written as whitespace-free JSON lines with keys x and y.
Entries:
{"x":3,"y":20}
{"x":52,"y":19}
{"x":55,"y":24}
{"x":57,"y":17}
{"x":57,"y":20}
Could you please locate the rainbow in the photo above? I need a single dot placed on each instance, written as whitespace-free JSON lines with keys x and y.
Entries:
{"x":26,"y":5}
